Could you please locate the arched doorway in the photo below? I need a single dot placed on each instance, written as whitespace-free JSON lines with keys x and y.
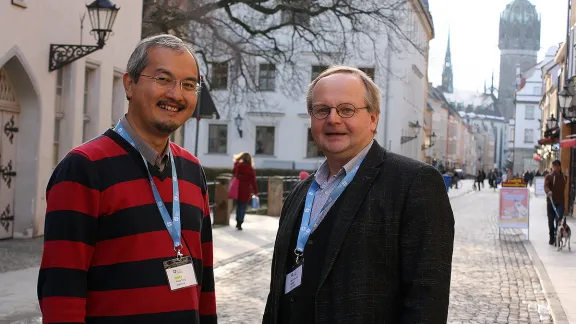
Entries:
{"x":9,"y":117}
{"x":20,"y":127}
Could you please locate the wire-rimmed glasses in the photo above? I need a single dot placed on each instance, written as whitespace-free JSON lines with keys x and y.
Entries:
{"x":344,"y":110}
{"x":169,"y":83}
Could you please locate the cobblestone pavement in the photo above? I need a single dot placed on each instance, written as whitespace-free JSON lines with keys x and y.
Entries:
{"x":20,"y":254}
{"x":242,"y":288}
{"x":493,"y":280}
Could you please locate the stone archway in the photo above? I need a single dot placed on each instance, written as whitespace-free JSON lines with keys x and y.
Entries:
{"x":20,"y":126}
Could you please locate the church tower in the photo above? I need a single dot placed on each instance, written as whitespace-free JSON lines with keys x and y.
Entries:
{"x":447,"y":74}
{"x":519,"y":43}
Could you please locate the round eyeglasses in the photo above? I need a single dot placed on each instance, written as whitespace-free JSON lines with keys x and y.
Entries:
{"x":344,"y":110}
{"x":168,"y":83}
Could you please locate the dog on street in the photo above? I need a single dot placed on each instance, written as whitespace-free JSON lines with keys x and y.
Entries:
{"x":563,"y":235}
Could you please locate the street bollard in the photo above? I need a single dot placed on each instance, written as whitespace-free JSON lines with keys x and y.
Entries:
{"x":275,"y":195}
{"x":222,"y":205}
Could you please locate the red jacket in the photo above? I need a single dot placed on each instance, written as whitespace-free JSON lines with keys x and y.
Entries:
{"x":246,"y":178}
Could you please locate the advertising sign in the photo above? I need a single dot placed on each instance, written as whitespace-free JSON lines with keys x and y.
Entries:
{"x":539,"y":189}
{"x":514,"y":182}
{"x":514,"y":207}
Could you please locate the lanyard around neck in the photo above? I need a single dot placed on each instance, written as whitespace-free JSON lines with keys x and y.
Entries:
{"x":308,"y":226}
{"x":172,"y":224}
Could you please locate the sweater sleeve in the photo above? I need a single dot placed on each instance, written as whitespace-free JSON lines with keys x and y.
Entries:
{"x":72,"y":210}
{"x":207,"y":293}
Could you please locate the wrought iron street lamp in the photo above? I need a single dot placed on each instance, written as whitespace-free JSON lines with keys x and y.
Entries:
{"x":102,"y":15}
{"x":551,"y":122}
{"x":415,"y":126}
{"x":238,"y":121}
{"x":565,"y":99}
{"x":431,"y":142}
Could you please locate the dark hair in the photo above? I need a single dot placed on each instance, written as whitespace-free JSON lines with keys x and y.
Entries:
{"x":556,"y":162}
{"x":139,"y":58}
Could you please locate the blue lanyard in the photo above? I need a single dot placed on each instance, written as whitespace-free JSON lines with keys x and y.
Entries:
{"x":308,"y":226}
{"x":172,"y":225}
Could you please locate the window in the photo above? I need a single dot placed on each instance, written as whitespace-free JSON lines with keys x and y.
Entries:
{"x":316,"y":70}
{"x":89,"y":83}
{"x":267,"y":77}
{"x":537,"y":91}
{"x":217,"y":138}
{"x":118,"y":96}
{"x":368,"y":71}
{"x":59,"y":115}
{"x":265,"y":140}
{"x":219,"y":78}
{"x":529,"y":112}
{"x":312,"y":149}
{"x":528,"y":136}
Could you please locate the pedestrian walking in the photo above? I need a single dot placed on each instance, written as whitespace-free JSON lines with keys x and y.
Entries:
{"x":244,"y":172}
{"x":368,"y":238}
{"x":554,"y":184}
{"x":479,"y":180}
{"x":128,"y":236}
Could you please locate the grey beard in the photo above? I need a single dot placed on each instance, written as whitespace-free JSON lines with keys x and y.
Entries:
{"x":167,"y":128}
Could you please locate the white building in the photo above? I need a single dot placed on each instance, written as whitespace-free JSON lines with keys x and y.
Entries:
{"x":279,"y":135}
{"x":525,"y":127}
{"x":45,"y":114}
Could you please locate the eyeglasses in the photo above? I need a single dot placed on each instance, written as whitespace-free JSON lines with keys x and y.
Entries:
{"x":344,"y":110}
{"x":168,"y":83}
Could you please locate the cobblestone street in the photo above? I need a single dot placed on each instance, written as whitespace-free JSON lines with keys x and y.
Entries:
{"x":242,"y":288}
{"x":493,"y":280}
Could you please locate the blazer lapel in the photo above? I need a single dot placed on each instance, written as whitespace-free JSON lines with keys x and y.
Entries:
{"x":355,"y":193}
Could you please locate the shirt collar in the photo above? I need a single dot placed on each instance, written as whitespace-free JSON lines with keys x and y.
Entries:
{"x":149,"y":153}
{"x":323,"y":173}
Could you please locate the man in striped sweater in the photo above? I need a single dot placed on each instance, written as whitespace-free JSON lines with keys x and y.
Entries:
{"x":128,"y":237}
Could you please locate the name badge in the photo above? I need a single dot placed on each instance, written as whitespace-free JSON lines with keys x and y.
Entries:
{"x":293,"y":279}
{"x":180,"y":273}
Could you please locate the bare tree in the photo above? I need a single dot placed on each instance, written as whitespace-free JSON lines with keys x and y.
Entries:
{"x":240,"y":34}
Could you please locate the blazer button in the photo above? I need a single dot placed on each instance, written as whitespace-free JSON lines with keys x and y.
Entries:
{"x":310,"y":242}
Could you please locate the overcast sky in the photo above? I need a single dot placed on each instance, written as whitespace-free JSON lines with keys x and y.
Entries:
{"x":474,"y":28}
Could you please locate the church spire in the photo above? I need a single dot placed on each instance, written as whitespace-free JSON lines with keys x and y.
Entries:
{"x":447,"y":75}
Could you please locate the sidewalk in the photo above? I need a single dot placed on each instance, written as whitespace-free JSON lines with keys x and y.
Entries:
{"x":18,"y":297}
{"x":557,"y":269}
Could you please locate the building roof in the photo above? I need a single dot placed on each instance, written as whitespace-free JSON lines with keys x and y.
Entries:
{"x":474,"y":104}
{"x":468,"y":98}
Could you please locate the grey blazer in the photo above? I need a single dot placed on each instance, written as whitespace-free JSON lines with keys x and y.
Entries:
{"x":389,"y":256}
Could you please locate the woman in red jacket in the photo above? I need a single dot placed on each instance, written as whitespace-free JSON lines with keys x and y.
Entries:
{"x":244,"y":172}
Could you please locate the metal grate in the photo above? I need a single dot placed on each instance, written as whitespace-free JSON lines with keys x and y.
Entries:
{"x":6,"y":89}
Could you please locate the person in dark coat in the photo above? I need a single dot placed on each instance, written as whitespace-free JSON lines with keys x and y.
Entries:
{"x":368,"y":238}
{"x":244,"y":172}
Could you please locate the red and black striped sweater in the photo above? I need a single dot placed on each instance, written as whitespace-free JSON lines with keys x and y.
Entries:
{"x":105,"y":241}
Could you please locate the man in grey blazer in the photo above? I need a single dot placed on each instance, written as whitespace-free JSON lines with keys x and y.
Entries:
{"x":368,"y":238}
